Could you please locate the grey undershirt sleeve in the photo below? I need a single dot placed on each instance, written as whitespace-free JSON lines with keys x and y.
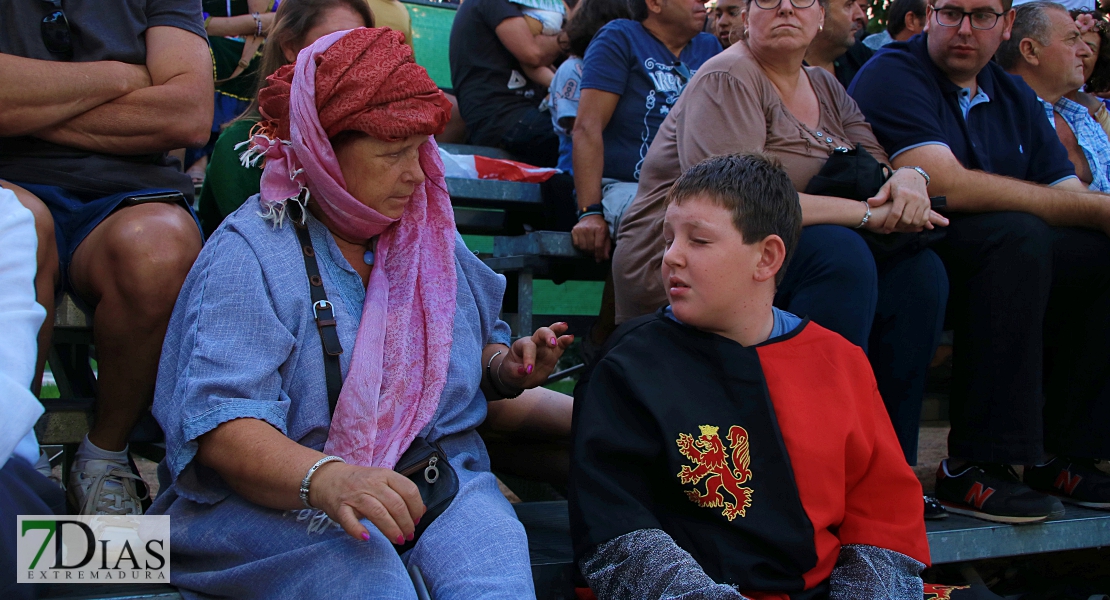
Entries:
{"x":647,"y":563}
{"x":871,"y":573}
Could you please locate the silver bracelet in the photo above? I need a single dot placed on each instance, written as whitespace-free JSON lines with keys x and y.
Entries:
{"x":489,"y":375}
{"x":308,"y":478}
{"x":257,"y":24}
{"x":867,"y":216}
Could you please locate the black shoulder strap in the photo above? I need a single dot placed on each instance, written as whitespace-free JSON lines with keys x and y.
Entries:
{"x":324,"y":313}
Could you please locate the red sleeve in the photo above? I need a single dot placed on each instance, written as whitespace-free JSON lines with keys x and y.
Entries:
{"x":883,"y":505}
{"x":850,"y":472}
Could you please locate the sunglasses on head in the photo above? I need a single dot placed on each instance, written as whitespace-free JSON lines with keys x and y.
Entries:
{"x":55,"y":31}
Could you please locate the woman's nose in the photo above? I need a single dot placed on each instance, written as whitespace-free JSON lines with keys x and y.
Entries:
{"x":413,"y":172}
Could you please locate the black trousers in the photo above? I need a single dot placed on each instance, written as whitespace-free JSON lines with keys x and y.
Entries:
{"x":1030,"y":308}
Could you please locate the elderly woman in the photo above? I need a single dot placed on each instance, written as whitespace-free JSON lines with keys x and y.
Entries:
{"x":280,"y":484}
{"x":1096,"y":66}
{"x":758,"y":96}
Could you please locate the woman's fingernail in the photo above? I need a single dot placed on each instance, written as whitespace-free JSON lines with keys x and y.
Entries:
{"x":365,"y":536}
{"x":417,"y":521}
{"x":529,"y":370}
{"x":553,"y":341}
{"x":400,"y":540}
{"x":409,"y":537}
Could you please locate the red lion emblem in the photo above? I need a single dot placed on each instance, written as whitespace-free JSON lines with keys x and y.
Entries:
{"x":707,"y":452}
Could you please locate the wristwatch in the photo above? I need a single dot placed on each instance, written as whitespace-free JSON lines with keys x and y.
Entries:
{"x":921,"y":172}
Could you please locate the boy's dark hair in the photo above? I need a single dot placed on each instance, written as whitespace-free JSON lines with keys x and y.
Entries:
{"x":752,"y":186}
{"x":591,"y":16}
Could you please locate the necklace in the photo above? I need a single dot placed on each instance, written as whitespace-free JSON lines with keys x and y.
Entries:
{"x":368,"y":256}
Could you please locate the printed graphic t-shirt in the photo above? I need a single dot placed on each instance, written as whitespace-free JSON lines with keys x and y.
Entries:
{"x":491,"y":87}
{"x":627,"y":60}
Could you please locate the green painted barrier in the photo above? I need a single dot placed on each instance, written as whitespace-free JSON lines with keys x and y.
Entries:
{"x":431,"y":35}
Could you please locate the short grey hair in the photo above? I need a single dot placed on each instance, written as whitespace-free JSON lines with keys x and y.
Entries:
{"x":1031,"y":21}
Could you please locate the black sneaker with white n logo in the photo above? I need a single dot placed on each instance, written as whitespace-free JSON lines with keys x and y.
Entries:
{"x":1074,"y":480}
{"x":993,"y":492}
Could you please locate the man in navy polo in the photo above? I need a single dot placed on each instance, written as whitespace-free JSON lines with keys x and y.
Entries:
{"x":1028,"y":259}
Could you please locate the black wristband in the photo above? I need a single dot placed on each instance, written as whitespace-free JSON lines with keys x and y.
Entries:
{"x":593,"y":208}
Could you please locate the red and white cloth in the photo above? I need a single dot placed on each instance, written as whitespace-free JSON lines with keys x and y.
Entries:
{"x":472,"y":166}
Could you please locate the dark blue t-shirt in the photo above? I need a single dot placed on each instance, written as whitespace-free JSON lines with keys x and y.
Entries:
{"x":909,"y":102}
{"x":625,"y":59}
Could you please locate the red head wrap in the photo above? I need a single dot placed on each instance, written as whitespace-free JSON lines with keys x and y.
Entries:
{"x":367,"y":81}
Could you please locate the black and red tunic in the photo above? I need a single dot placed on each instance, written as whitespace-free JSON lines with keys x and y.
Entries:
{"x":761,"y":462}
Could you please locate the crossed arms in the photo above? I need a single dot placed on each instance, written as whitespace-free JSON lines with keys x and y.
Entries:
{"x":114,"y":107}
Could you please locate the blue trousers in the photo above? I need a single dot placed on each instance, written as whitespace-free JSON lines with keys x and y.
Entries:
{"x":894,"y":311}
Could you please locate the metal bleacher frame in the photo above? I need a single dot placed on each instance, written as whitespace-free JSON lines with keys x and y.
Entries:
{"x":482,"y":207}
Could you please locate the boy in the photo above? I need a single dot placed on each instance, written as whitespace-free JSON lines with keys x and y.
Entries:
{"x":726,"y":449}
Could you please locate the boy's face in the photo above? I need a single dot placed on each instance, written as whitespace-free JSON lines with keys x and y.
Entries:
{"x":710,"y":274}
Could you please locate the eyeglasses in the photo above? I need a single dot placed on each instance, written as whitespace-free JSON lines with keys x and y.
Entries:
{"x":55,"y":31}
{"x":774,"y":4}
{"x":982,"y":20}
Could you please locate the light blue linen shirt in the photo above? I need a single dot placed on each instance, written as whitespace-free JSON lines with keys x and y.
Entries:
{"x":242,"y":343}
{"x":1090,"y":135}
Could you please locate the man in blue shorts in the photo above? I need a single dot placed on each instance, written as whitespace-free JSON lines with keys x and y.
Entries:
{"x":1028,"y":261}
{"x":93,"y":96}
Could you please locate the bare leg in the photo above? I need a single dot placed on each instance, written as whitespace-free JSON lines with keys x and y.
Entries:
{"x":131,"y":268}
{"x":47,"y":277}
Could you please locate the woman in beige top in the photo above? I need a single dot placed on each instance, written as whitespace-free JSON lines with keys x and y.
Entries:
{"x":757,"y":96}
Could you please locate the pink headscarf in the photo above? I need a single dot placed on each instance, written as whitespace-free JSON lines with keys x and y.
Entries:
{"x":402,"y":349}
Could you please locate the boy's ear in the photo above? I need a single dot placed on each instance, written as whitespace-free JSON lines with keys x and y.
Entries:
{"x":772,"y":252}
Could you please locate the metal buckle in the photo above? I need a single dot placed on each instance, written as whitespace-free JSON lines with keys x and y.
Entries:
{"x":320,"y":305}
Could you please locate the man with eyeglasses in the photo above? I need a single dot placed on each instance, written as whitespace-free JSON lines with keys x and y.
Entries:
{"x":632,"y":74}
{"x":1028,"y":261}
{"x":1046,"y":50}
{"x":92,"y":96}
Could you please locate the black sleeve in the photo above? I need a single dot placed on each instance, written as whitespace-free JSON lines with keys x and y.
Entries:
{"x":649,"y":564}
{"x":870,"y":573}
{"x":492,"y":12}
{"x":615,"y":445}
{"x":182,"y":14}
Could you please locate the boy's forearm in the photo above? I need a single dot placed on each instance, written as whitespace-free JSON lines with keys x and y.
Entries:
{"x":871,"y":573}
{"x":647,"y":563}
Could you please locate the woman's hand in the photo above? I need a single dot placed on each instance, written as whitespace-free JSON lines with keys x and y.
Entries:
{"x":902,"y":204}
{"x":591,"y":235}
{"x":531,"y":360}
{"x":348,"y":493}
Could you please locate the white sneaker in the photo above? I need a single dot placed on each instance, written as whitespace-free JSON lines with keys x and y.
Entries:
{"x":105,"y":487}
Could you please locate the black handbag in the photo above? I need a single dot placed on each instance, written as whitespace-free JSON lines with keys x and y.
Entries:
{"x":856,"y":175}
{"x":423,"y":463}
